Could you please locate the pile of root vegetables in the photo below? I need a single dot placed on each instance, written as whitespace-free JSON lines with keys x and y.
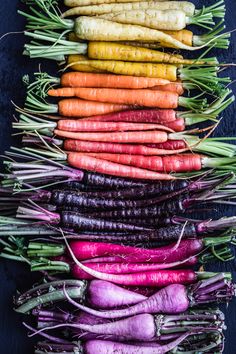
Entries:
{"x":112,"y":195}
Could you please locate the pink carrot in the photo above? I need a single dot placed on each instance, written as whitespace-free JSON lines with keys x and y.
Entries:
{"x":76,"y":125}
{"x":138,"y":137}
{"x":126,"y":268}
{"x":118,"y":253}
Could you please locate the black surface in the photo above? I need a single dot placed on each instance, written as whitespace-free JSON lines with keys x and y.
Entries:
{"x":13,"y":66}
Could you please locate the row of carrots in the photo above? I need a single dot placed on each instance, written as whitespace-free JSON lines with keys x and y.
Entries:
{"x":116,"y":150}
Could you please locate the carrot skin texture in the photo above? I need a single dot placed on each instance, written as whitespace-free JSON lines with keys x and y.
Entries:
{"x":160,"y":278}
{"x":169,"y":145}
{"x":76,"y":125}
{"x":140,"y":192}
{"x":78,"y":79}
{"x":168,"y":207}
{"x":142,"y":97}
{"x":175,"y":87}
{"x":178,"y":125}
{"x":105,"y":181}
{"x":73,"y":107}
{"x":113,"y":148}
{"x":172,"y":299}
{"x":117,"y":137}
{"x":76,"y":221}
{"x":68,"y":91}
{"x":103,"y":166}
{"x":105,"y":295}
{"x":141,"y":116}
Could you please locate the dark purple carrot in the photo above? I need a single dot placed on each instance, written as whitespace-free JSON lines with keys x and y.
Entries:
{"x":94,"y":201}
{"x":76,"y":221}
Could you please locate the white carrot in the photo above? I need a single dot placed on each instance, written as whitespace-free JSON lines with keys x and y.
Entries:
{"x":164,"y":20}
{"x":101,"y":7}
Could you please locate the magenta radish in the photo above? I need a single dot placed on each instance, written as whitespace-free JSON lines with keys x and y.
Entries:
{"x":146,"y":327}
{"x":98,"y":293}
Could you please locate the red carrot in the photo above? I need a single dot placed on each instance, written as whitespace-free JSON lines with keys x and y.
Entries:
{"x":169,"y":145}
{"x":141,"y":116}
{"x":174,"y":163}
{"x":102,"y":166}
{"x":115,"y":148}
{"x":177,"y":125}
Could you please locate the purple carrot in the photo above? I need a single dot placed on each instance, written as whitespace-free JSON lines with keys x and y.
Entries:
{"x":172,"y":299}
{"x":98,"y":293}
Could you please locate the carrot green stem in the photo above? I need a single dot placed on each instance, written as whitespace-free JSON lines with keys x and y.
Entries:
{"x":47,"y":16}
{"x":211,"y":112}
{"x":204,"y":16}
{"x":51,"y":296}
{"x":37,"y":249}
{"x":204,"y":78}
{"x":33,"y":104}
{"x":195,"y":104}
{"x":214,"y":37}
{"x":57,"y":50}
{"x":216,"y":10}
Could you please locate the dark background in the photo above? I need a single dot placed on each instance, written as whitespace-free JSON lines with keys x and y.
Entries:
{"x":13,"y":337}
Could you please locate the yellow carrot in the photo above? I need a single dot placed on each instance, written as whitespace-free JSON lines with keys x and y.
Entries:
{"x":117,"y":51}
{"x":81,"y":63}
{"x":184,"y":36}
{"x":162,"y":71}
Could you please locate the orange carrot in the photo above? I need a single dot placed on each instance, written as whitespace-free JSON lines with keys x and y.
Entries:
{"x":74,"y":107}
{"x":142,"y":97}
{"x":176,"y":87}
{"x":174,"y":163}
{"x":79,"y":79}
{"x":102,"y":166}
{"x":119,"y":137}
{"x":77,"y":125}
